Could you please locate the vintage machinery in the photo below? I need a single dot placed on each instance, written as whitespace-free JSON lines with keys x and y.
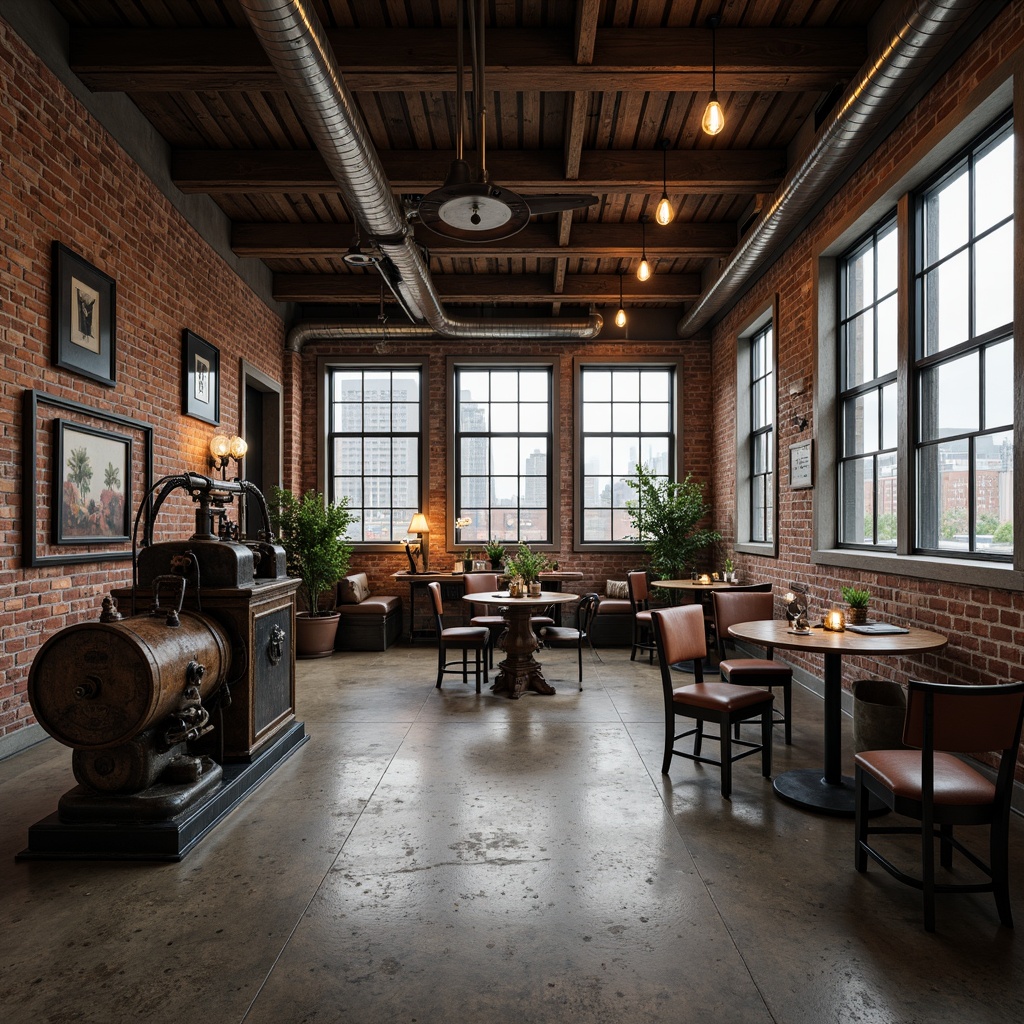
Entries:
{"x":177,"y":709}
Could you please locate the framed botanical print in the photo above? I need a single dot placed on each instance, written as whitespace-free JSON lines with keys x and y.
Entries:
{"x":200,"y":379}
{"x":84,"y":318}
{"x":94,"y":498}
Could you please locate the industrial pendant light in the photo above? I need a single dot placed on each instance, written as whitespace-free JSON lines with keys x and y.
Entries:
{"x":663,"y":215}
{"x":620,"y":316}
{"x":643,"y":272}
{"x":713,"y":120}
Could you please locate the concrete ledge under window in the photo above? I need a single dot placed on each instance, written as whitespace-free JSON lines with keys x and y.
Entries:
{"x":945,"y":570}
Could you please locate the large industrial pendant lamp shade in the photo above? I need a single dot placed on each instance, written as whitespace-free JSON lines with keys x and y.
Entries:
{"x":664,"y":214}
{"x":643,"y":272}
{"x":620,"y":316}
{"x":713,"y":120}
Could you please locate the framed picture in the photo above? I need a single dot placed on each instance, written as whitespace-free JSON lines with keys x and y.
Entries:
{"x":801,"y":465}
{"x":84,"y":321}
{"x":95,"y":493}
{"x":200,"y":379}
{"x":82,"y":468}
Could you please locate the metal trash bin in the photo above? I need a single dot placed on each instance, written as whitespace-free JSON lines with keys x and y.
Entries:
{"x":879,"y":707}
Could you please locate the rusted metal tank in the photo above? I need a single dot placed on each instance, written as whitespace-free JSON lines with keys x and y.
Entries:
{"x":99,"y":685}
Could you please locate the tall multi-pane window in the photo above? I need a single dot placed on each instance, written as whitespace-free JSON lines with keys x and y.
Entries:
{"x":375,"y":449}
{"x":628,"y":415}
{"x":963,"y":354}
{"x":762,"y":436}
{"x":503,"y":454}
{"x":867,"y":404}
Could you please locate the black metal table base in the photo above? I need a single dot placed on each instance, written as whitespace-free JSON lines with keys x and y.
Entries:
{"x":807,"y":788}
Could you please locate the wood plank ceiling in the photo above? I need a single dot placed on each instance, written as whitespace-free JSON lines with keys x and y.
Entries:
{"x":580,"y":94}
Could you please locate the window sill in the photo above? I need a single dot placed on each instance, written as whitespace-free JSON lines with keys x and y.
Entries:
{"x":763,"y":550}
{"x":953,"y":570}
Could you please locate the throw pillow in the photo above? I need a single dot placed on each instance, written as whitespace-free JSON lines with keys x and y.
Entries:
{"x":618,"y":589}
{"x":354,"y":589}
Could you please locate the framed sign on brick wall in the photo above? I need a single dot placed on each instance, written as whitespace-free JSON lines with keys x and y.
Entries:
{"x":81,"y":468}
{"x":200,"y":379}
{"x":84,"y":320}
{"x":801,"y":465}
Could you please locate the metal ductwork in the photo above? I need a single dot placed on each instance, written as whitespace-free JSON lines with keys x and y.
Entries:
{"x":924,"y":28}
{"x":296,"y":44}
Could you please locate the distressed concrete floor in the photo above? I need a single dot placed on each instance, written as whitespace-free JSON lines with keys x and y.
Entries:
{"x":434,"y":856}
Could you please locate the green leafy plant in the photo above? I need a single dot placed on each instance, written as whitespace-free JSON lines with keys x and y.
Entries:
{"x":855,"y":598}
{"x":526,"y":563}
{"x":313,"y":536}
{"x":728,"y":565}
{"x":495,"y":550}
{"x":666,"y":515}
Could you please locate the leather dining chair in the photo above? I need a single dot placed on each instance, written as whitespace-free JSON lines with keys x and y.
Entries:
{"x":574,"y":636}
{"x":935,"y":788}
{"x":679,"y":634}
{"x":482,"y":615}
{"x":640,"y":603}
{"x":468,"y":638}
{"x":731,"y":607}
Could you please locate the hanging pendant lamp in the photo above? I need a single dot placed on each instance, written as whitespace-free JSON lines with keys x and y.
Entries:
{"x":643,"y":272}
{"x":713,"y":120}
{"x":620,"y":316}
{"x":664,"y":214}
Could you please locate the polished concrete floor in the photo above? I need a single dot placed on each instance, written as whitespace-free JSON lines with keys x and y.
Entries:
{"x":433,"y":856}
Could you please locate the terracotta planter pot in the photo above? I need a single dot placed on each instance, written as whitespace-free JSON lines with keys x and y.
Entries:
{"x":314,"y":634}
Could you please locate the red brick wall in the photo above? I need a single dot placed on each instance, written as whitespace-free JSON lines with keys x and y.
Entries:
{"x":64,"y":178}
{"x":596,"y":567}
{"x":983,"y":625}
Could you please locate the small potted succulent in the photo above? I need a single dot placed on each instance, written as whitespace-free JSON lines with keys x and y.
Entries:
{"x":858,"y":601}
{"x":495,"y":552}
{"x":527,"y":565}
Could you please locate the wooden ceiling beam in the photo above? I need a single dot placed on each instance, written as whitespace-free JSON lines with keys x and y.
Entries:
{"x":726,"y":172}
{"x":519,"y":60}
{"x":540,"y":241}
{"x":364,"y":288}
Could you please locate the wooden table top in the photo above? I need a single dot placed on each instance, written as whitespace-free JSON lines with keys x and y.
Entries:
{"x":501,"y":598}
{"x":692,"y":585}
{"x":778,"y":633}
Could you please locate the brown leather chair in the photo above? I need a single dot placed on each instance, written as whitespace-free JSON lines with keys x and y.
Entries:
{"x":468,"y":638}
{"x":940,"y":791}
{"x":714,"y":637}
{"x":640,"y":602}
{"x":679,"y":634}
{"x":574,"y":636}
{"x":730,"y":607}
{"x":482,"y":614}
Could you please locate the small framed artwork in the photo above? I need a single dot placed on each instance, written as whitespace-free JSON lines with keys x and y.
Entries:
{"x":94,"y":499}
{"x":84,"y":320}
{"x":82,"y":468}
{"x":801,"y":465}
{"x":200,"y":379}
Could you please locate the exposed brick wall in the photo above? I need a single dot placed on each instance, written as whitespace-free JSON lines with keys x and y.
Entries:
{"x":64,"y":178}
{"x":983,"y":625}
{"x":596,"y":567}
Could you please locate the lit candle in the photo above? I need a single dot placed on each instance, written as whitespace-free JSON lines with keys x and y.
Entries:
{"x":835,"y":621}
{"x":704,"y":578}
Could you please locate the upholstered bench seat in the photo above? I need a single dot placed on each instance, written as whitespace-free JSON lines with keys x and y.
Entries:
{"x":368,"y":623}
{"x":613,"y":624}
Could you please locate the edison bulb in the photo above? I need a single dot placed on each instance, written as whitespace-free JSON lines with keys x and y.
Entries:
{"x":643,"y":272}
{"x":663,"y":215}
{"x":238,"y":447}
{"x":713,"y":120}
{"x":220,"y":445}
{"x":620,"y":318}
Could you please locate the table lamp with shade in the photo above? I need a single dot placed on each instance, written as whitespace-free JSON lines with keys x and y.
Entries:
{"x":419,"y":526}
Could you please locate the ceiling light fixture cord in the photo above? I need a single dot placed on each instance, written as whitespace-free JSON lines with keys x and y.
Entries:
{"x":713,"y":120}
{"x":664,"y":212}
{"x":643,"y":272}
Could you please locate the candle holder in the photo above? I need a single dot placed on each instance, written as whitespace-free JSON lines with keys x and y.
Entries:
{"x":835,"y":621}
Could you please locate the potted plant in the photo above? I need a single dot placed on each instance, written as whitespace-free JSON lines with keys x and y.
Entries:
{"x":730,"y":571}
{"x":495,"y":552}
{"x":313,"y":536}
{"x":527,"y":565}
{"x":666,"y":515}
{"x":858,"y":602}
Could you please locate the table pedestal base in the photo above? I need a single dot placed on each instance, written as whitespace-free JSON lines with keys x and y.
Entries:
{"x":520,"y":670}
{"x":807,"y":788}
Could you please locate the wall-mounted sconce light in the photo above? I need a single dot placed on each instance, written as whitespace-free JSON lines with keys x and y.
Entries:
{"x":223,"y":449}
{"x":418,"y":525}
{"x":800,"y":422}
